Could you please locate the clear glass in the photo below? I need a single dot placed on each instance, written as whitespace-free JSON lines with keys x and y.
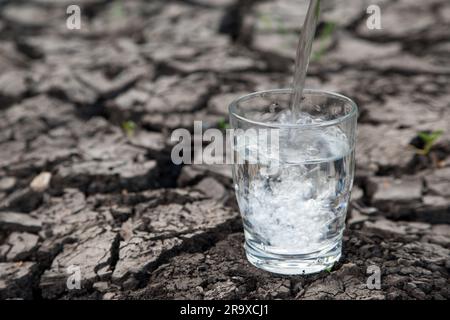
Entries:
{"x":293,"y":184}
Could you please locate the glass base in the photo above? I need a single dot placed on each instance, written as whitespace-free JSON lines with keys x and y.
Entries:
{"x":293,"y":264}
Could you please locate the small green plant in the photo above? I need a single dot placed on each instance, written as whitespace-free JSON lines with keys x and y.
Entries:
{"x":281,"y":28}
{"x":129,"y":127}
{"x":317,"y":13}
{"x":117,"y":9}
{"x":266,"y":21}
{"x":222,"y":124}
{"x":324,"y":36}
{"x":428,"y":139}
{"x":329,"y":269}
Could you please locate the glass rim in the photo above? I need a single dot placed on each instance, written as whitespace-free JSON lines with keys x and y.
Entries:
{"x":353,"y":112}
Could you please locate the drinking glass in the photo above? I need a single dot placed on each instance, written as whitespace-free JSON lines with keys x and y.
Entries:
{"x":293,"y":178}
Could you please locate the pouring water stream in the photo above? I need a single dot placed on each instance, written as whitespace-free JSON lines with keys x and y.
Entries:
{"x":302,"y":59}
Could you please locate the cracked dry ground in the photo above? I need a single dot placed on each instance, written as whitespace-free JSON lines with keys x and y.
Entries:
{"x":75,"y":190}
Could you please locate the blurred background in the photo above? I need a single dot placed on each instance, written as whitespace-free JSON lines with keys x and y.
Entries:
{"x":86,"y":116}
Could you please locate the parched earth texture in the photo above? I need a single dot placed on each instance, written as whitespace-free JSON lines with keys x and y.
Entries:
{"x":87,"y":185}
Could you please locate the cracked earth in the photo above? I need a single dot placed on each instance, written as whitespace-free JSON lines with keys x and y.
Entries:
{"x":78,"y":189}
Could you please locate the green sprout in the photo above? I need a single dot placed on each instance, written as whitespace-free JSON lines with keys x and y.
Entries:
{"x":117,"y":9}
{"x":429,"y":139}
{"x":326,"y":34}
{"x":129,"y":127}
{"x":266,"y":21}
{"x":222,"y":124}
{"x":318,"y":11}
{"x":281,"y":28}
{"x":329,"y":269}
